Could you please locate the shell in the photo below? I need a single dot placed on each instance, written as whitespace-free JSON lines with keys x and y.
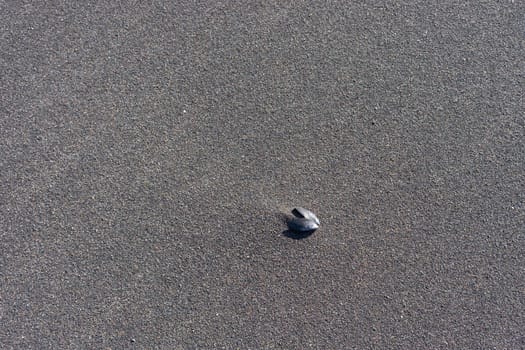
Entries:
{"x":305,"y":213}
{"x":302,"y":225}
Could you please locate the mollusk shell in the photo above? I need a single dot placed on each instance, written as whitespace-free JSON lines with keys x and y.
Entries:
{"x":302,"y":225}
{"x":305,"y":213}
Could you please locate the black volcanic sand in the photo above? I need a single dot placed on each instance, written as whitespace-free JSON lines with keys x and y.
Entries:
{"x":148,"y":154}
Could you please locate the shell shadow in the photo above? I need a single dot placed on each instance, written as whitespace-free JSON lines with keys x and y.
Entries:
{"x":297,"y":235}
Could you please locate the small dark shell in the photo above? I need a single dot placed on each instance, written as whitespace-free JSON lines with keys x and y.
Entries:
{"x":302,"y":225}
{"x":305,"y":213}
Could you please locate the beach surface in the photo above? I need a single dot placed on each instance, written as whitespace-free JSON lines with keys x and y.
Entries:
{"x":149,"y":153}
